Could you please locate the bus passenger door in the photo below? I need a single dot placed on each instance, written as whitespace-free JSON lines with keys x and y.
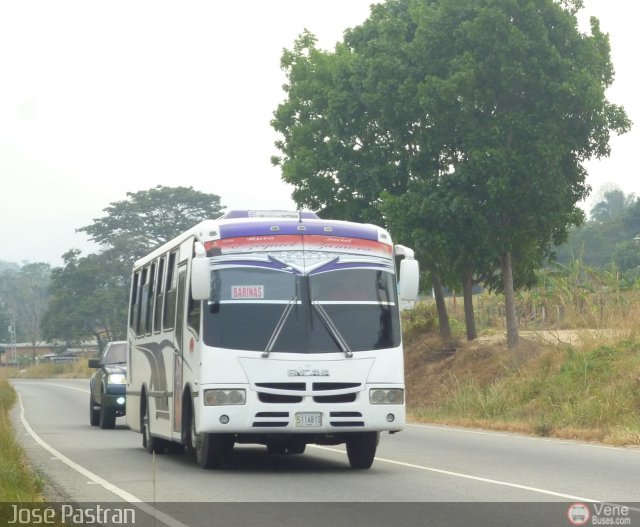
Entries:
{"x":178,"y":347}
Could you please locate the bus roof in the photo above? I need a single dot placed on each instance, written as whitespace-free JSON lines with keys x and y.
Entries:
{"x":292,"y":214}
{"x":242,"y":224}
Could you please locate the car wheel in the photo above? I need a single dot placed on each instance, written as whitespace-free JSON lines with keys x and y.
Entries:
{"x":94,"y":413}
{"x":107,"y":416}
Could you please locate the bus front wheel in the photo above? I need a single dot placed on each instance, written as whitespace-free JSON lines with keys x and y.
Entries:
{"x":212,"y":449}
{"x":361,"y":449}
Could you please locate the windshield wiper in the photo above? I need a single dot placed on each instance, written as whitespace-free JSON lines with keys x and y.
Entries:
{"x":279,"y":326}
{"x":333,"y":330}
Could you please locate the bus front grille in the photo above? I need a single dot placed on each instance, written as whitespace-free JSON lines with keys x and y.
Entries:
{"x":325,"y":386}
{"x":278,"y":399}
{"x":295,"y":392}
{"x":291,"y":386}
{"x":343,"y":398}
{"x":267,"y":420}
{"x":269,"y":424}
{"x":339,"y":419}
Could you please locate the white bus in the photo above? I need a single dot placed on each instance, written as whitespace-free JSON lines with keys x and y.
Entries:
{"x":275,"y":328}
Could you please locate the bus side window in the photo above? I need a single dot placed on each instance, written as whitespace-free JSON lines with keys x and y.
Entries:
{"x":133,"y":312}
{"x":151,"y":296}
{"x":144,"y":302}
{"x":157,"y":318}
{"x":169,"y":312}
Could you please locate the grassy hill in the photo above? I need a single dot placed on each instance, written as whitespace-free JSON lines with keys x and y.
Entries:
{"x":573,"y":384}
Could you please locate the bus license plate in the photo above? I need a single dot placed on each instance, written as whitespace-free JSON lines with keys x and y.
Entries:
{"x":308,"y":419}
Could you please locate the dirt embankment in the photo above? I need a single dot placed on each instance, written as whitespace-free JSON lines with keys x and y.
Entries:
{"x":434,"y":370}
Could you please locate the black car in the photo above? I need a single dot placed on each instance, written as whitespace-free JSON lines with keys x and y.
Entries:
{"x":107,"y":399}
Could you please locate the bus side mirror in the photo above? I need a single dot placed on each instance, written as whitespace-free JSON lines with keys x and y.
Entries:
{"x":200,"y":278}
{"x":409,"y":279}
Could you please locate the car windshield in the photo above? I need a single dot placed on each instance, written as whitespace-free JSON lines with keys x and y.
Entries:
{"x":345,"y":307}
{"x":115,"y":353}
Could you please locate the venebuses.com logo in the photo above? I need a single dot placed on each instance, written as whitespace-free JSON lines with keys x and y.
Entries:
{"x":578,"y":514}
{"x":598,"y":514}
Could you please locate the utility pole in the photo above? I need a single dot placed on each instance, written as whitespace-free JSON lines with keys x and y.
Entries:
{"x":12,"y":337}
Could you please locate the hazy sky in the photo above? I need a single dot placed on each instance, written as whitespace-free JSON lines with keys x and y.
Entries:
{"x":102,"y":98}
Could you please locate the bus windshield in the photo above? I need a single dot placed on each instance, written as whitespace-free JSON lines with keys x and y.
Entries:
{"x":279,"y":308}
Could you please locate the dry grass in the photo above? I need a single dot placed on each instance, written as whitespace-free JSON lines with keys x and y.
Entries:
{"x":75,"y":370}
{"x":17,"y":481}
{"x":588,"y":389}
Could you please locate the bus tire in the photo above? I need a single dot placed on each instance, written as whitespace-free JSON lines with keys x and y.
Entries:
{"x":212,"y":449}
{"x":361,"y":449}
{"x":150,"y":443}
{"x":187,"y":435}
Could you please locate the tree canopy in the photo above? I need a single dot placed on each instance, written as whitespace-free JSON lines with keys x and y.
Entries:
{"x":88,"y":298}
{"x":149,"y":218}
{"x":609,"y":236}
{"x":24,"y":294}
{"x":613,"y":204}
{"x":89,"y":294}
{"x":464,"y":124}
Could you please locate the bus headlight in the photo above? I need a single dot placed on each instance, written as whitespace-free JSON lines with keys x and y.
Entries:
{"x":386,"y":396}
{"x":224,"y":397}
{"x":116,"y":378}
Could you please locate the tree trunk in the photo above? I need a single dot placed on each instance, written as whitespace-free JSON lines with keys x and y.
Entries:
{"x":34,"y":354}
{"x":101,"y":344}
{"x":469,"y":317}
{"x":509,"y":302}
{"x":443,"y":316}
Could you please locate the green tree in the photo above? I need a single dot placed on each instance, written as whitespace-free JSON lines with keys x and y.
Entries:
{"x":89,"y":294}
{"x":504,"y":99}
{"x":631,"y":221}
{"x":5,"y":320}
{"x":609,"y":236}
{"x":614,"y":203}
{"x":88,"y":299}
{"x":5,"y":266}
{"x":627,"y":256}
{"x":25,"y":293}
{"x":149,"y":218}
{"x":350,"y":132}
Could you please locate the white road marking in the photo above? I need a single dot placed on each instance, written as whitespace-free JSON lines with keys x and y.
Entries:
{"x":474,"y":478}
{"x":94,"y":478}
{"x":171,"y":521}
{"x":556,"y":441}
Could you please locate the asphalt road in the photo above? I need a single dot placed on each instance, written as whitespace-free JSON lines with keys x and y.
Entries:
{"x":426,"y":475}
